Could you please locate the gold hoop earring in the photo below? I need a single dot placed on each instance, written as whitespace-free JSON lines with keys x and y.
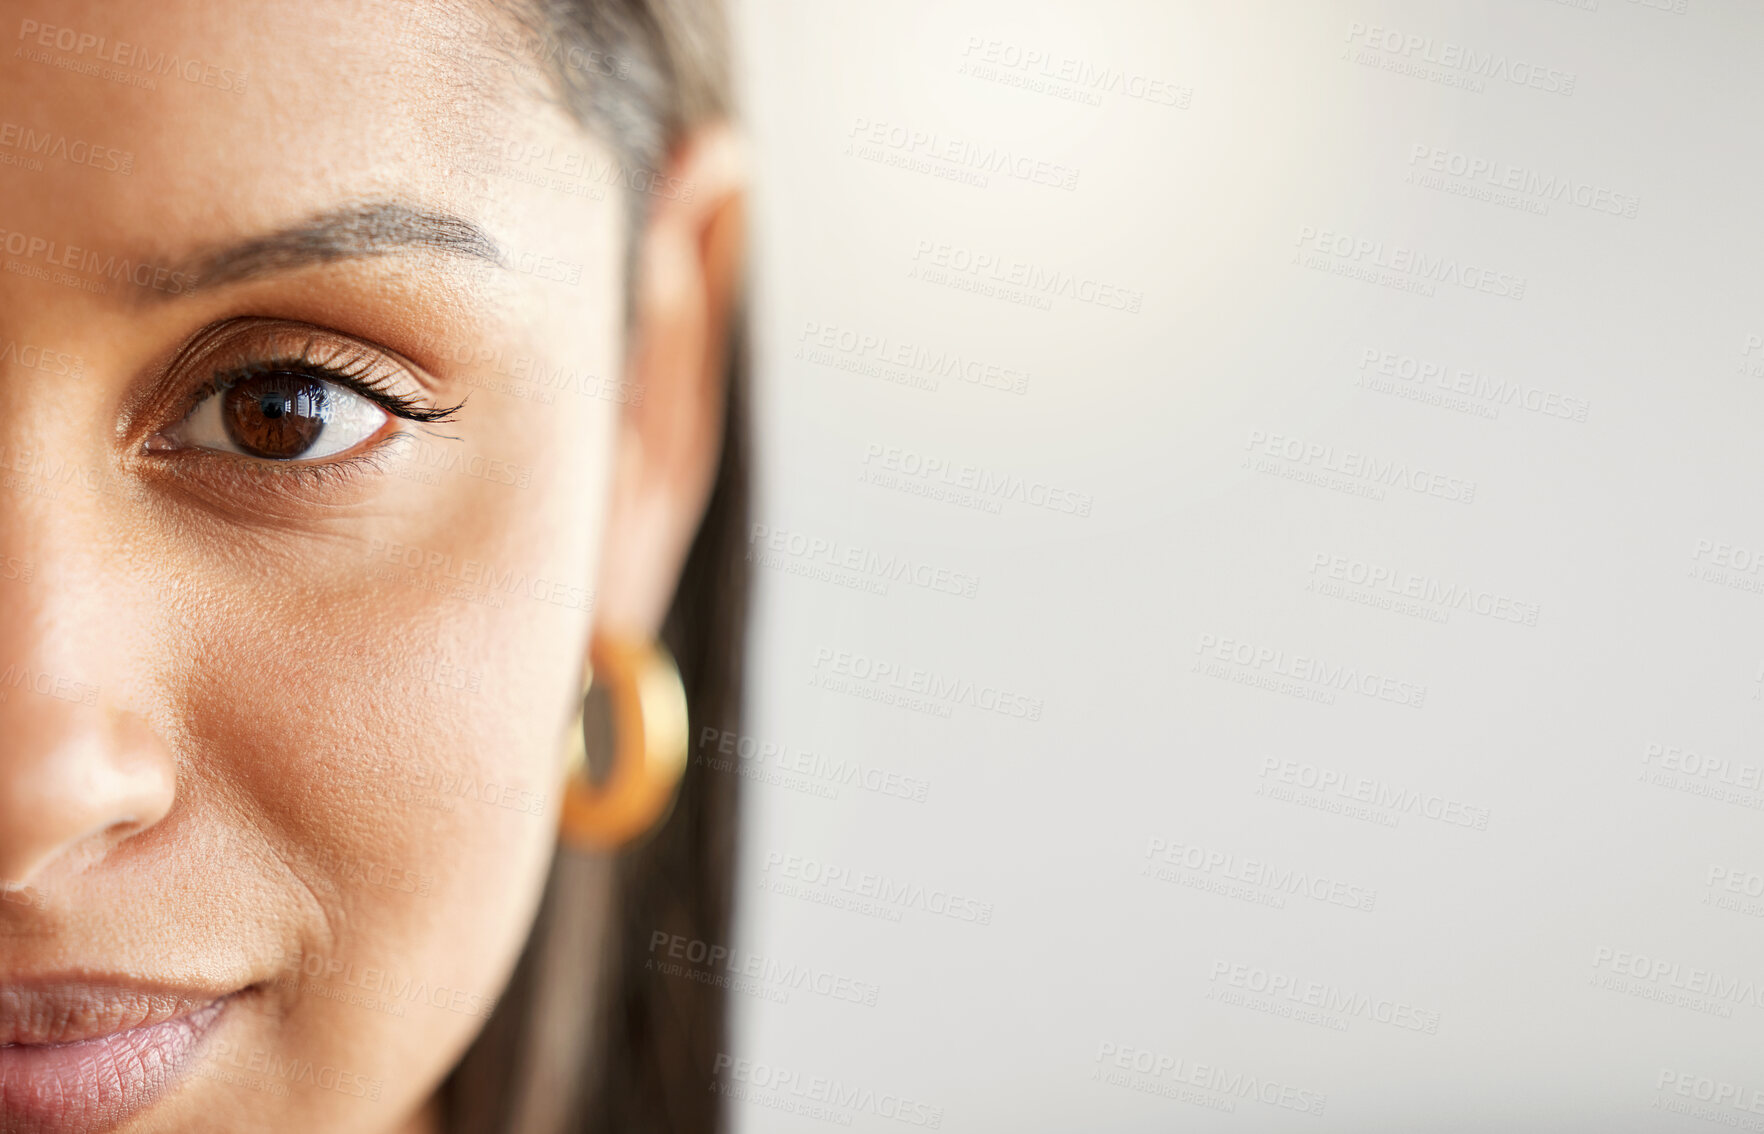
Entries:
{"x":642,"y":706}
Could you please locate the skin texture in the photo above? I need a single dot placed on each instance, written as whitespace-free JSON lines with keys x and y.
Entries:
{"x":301,"y":734}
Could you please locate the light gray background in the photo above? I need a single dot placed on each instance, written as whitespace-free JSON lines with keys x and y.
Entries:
{"x":1579,"y":968}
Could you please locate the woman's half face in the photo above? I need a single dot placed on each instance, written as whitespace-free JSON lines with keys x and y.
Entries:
{"x":310,"y":372}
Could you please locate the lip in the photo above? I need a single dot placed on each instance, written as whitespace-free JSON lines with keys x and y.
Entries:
{"x":85,"y":1057}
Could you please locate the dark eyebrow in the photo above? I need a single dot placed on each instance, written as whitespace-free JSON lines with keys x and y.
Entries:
{"x":374,"y":228}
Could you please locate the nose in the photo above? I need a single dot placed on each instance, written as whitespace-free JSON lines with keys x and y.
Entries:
{"x":79,"y":771}
{"x":75,"y":778}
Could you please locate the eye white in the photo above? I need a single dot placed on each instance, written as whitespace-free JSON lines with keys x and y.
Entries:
{"x":349,"y":419}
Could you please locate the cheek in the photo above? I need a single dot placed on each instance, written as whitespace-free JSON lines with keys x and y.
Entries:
{"x":390,"y":724}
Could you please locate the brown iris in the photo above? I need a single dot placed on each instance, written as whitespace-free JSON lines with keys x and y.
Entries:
{"x":277,"y":415}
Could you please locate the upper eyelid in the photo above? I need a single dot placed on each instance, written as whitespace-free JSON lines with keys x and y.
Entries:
{"x":394,"y":404}
{"x":321,"y":368}
{"x":227,"y":348}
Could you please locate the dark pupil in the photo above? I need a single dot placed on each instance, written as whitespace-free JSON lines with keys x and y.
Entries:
{"x":275,"y":415}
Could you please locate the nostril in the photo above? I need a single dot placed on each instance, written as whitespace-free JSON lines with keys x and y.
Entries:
{"x":75,"y":782}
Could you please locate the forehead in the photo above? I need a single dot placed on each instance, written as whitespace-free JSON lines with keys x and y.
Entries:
{"x":134,"y":123}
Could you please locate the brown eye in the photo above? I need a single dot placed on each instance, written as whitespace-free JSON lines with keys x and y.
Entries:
{"x":277,"y":415}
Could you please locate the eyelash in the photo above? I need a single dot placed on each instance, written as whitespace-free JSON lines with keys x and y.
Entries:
{"x":355,"y":375}
{"x":351,"y":368}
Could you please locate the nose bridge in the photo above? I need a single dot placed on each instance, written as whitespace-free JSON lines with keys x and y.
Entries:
{"x":78,"y":768}
{"x":57,"y":409}
{"x":57,"y":613}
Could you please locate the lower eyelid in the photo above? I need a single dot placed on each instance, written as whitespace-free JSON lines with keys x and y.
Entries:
{"x":261,"y":479}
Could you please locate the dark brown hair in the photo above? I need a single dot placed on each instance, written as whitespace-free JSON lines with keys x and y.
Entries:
{"x":585,"y":1038}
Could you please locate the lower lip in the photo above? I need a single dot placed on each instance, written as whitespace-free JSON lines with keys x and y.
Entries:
{"x":97,"y":1083}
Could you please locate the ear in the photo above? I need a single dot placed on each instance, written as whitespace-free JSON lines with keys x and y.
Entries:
{"x":689,"y":266}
